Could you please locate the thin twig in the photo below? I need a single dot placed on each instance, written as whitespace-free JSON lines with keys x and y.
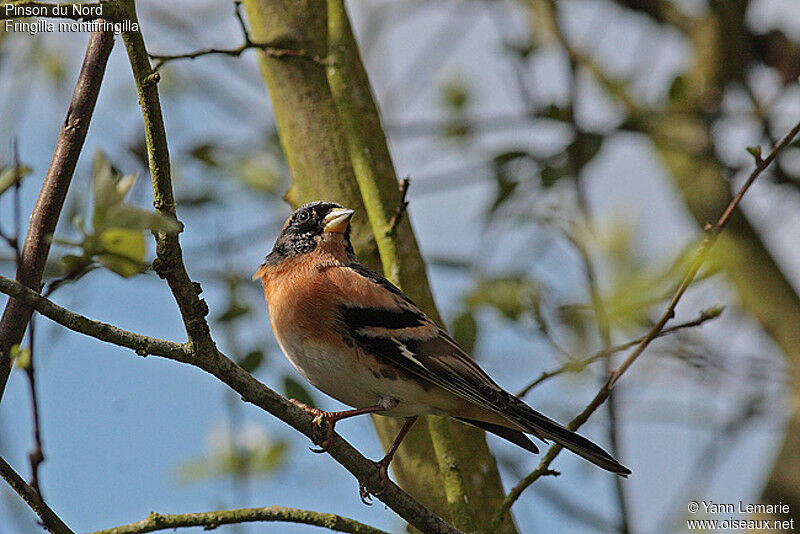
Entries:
{"x":401,"y":207}
{"x":579,"y":365}
{"x":48,"y":206}
{"x":50,"y":519}
{"x":712,"y":232}
{"x":270,"y":49}
{"x":36,"y":456}
{"x":211,"y":520}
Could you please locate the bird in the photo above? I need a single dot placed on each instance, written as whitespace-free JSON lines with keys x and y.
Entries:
{"x":359,"y":339}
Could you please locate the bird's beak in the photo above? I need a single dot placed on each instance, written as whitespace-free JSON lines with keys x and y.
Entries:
{"x":337,"y":220}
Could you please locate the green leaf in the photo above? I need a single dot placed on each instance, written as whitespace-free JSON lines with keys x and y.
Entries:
{"x":509,"y":295}
{"x":106,"y":194}
{"x":267,"y":459}
{"x":506,"y":174}
{"x":124,"y":251}
{"x":21,"y":356}
{"x":755,"y":151}
{"x":251,"y":360}
{"x":261,"y":172}
{"x":465,"y":331}
{"x":12,"y":175}
{"x":74,"y":264}
{"x":677,"y":89}
{"x":455,"y":95}
{"x":135,"y":218}
{"x":234,"y":311}
{"x":205,"y":153}
{"x":124,"y":185}
{"x":295,"y":390}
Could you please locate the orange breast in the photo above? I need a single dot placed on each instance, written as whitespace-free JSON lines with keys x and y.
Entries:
{"x":300,"y":297}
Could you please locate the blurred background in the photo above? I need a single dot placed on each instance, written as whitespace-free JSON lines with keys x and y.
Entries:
{"x":555,"y":150}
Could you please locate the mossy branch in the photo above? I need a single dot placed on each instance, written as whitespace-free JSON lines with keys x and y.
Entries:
{"x":212,"y":520}
{"x":169,"y":257}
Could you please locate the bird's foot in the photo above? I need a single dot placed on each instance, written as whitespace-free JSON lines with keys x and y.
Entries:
{"x":324,"y":421}
{"x":383,"y":472}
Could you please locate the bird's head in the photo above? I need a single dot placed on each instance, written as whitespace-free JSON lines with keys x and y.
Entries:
{"x":313,"y":225}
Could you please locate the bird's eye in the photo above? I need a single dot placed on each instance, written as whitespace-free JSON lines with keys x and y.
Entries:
{"x":303,"y":216}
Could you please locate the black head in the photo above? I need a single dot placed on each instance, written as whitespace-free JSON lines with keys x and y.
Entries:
{"x":305,"y":228}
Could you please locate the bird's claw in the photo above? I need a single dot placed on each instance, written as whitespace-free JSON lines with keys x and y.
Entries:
{"x":322,"y":420}
{"x":366,"y":496}
{"x":383,"y":472}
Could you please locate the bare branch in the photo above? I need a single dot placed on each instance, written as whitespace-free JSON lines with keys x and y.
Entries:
{"x":54,"y":189}
{"x":50,"y":519}
{"x":270,"y":49}
{"x":211,"y":520}
{"x":401,"y":207}
{"x":579,"y":365}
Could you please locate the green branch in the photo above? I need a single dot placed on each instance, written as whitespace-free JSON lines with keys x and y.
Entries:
{"x":212,"y":520}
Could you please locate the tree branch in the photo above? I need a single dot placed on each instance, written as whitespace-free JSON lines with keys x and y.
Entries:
{"x":270,"y":49}
{"x":54,"y":189}
{"x":712,"y":232}
{"x":251,"y":390}
{"x":577,"y":366}
{"x":169,"y":263}
{"x":49,"y":518}
{"x":142,"y":345}
{"x":212,"y":520}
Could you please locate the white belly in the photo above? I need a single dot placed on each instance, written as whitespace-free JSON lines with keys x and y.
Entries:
{"x":351,"y":382}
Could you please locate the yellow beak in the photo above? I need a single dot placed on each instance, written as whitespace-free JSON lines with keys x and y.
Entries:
{"x":337,"y":220}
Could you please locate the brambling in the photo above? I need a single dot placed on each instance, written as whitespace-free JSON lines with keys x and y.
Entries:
{"x":356,"y":337}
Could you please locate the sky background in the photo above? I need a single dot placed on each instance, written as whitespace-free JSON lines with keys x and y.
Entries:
{"x":117,"y":428}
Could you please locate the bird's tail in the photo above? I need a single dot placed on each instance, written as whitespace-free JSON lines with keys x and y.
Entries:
{"x":543,"y":427}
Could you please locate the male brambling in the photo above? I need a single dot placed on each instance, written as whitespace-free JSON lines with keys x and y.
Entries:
{"x":358,"y":338}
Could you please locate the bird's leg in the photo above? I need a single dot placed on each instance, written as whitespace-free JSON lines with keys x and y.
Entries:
{"x":383,"y":464}
{"x":329,"y":419}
